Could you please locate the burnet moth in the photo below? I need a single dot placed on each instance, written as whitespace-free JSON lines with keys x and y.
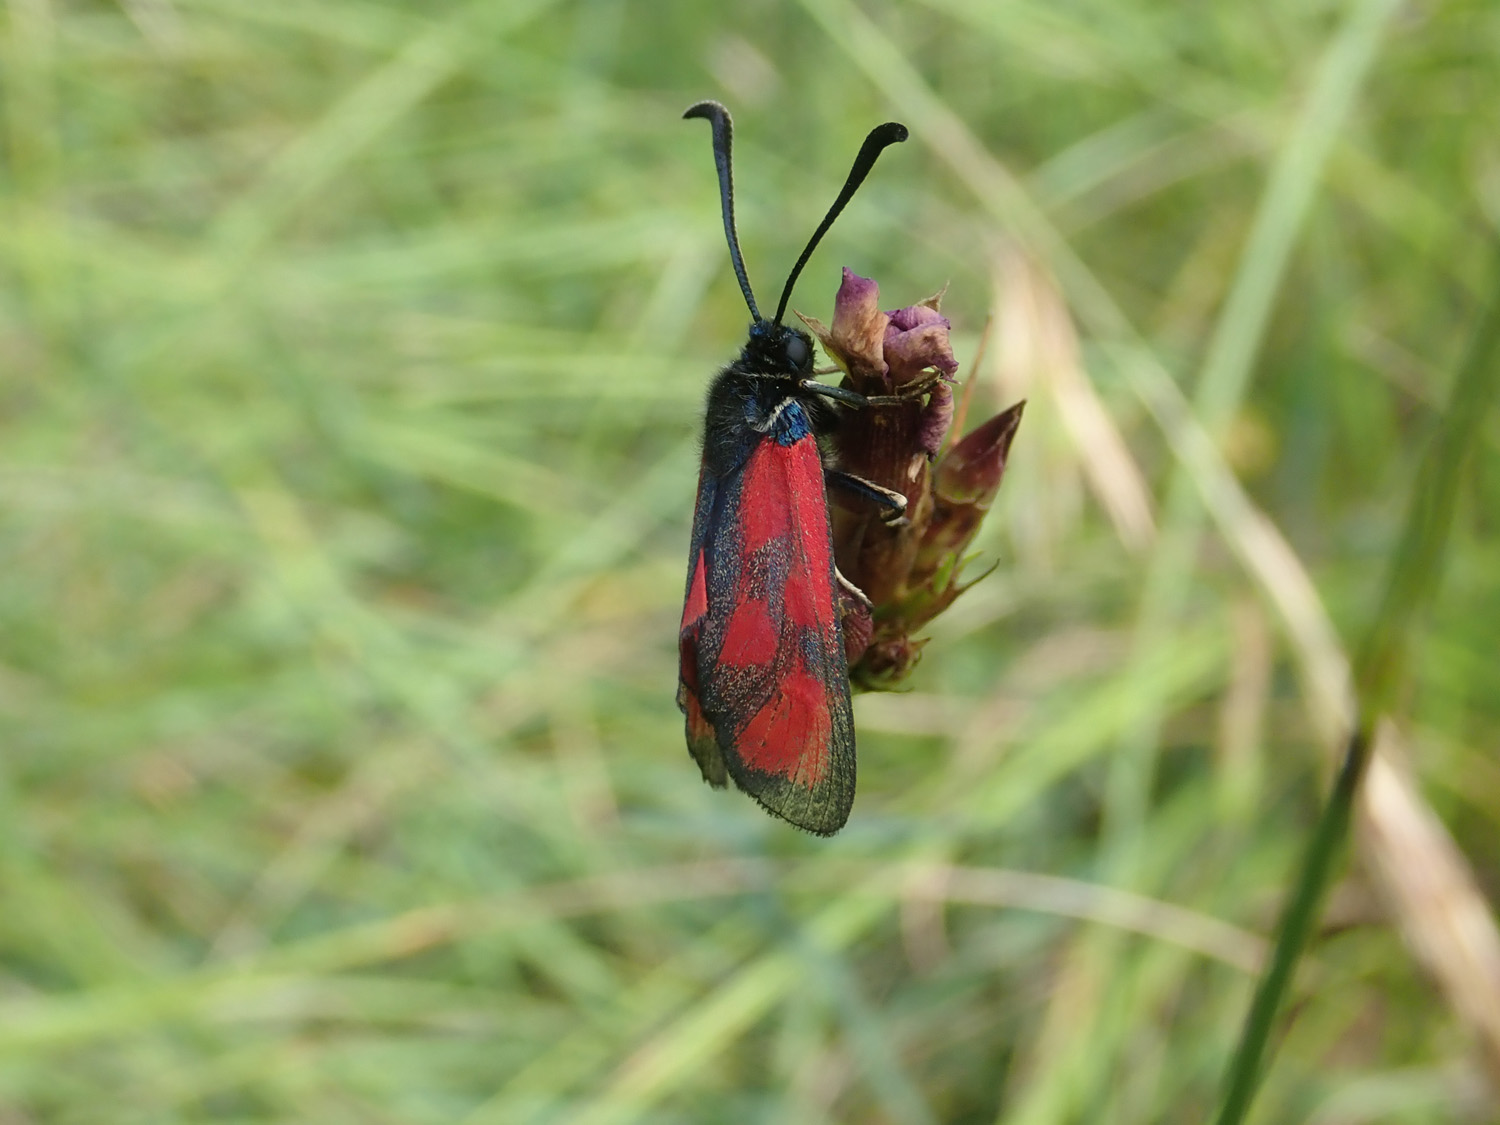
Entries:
{"x":763,"y":680}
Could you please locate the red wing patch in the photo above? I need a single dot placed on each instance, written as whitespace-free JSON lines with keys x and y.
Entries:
{"x":796,"y":715}
{"x":752,"y":638}
{"x":763,"y":662}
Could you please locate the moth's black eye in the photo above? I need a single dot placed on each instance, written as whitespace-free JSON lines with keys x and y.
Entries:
{"x":796,"y":351}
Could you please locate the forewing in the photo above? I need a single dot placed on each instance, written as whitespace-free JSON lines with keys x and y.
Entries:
{"x":763,"y":664}
{"x":702,"y":743}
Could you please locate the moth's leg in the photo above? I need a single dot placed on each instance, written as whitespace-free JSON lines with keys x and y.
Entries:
{"x":854,"y":398}
{"x":828,"y":390}
{"x":892,"y":504}
{"x":852,"y":590}
{"x":912,"y":390}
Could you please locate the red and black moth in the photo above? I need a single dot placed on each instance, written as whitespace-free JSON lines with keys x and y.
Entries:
{"x":763,"y":679}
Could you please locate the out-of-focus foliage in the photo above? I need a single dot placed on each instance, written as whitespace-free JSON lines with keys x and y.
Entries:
{"x":350,"y":363}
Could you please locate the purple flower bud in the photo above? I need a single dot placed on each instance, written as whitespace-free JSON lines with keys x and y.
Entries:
{"x":964,"y":485}
{"x":970,"y":472}
{"x":888,"y":660}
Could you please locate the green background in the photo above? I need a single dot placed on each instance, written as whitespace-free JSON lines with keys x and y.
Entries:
{"x":351,"y":357}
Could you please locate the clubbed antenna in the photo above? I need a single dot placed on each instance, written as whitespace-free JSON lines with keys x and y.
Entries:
{"x":723,"y":127}
{"x":881,"y":137}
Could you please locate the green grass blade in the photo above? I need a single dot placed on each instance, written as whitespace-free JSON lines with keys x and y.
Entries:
{"x":1415,"y":571}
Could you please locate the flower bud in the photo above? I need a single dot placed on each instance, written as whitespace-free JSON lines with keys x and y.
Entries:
{"x":907,"y":568}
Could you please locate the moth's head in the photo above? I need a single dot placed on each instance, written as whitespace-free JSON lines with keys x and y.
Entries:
{"x":778,"y":349}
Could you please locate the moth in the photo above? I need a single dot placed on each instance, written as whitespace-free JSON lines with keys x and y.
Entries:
{"x":763,"y":682}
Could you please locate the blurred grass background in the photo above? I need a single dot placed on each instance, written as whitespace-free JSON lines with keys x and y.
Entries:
{"x":352,"y":362}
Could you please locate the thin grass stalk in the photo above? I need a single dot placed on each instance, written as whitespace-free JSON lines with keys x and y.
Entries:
{"x":1296,"y":927}
{"x":1379,"y":671}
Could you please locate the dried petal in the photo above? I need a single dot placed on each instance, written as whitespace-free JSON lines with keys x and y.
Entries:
{"x":859,"y":626}
{"x":915,"y":316}
{"x":916,"y":340}
{"x":856,"y":341}
{"x":935,"y":302}
{"x":937,"y":416}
